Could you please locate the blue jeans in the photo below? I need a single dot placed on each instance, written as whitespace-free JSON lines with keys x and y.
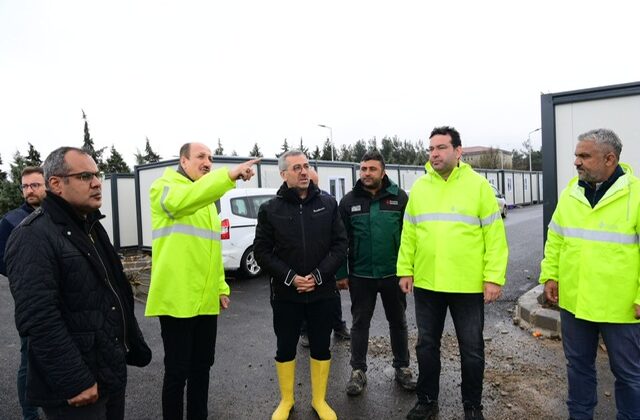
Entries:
{"x":467,"y":312}
{"x":364,"y":293}
{"x":29,"y":412}
{"x":580,"y":343}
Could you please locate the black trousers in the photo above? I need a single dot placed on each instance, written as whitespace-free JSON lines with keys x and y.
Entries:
{"x":287,"y":319}
{"x":338,"y":323}
{"x":106,"y":408}
{"x":467,"y":312}
{"x":189,"y":353}
{"x":364,"y":293}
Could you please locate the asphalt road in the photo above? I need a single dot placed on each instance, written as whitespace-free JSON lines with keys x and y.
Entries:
{"x":243,"y":380}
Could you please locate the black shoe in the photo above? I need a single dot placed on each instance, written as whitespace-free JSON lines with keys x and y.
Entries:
{"x":473,"y":413}
{"x":404,"y":378}
{"x":342,"y":333}
{"x":357,"y":382}
{"x":422,"y":411}
{"x":304,"y":340}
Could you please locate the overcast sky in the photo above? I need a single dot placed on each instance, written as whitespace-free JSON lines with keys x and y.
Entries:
{"x":261,"y":71}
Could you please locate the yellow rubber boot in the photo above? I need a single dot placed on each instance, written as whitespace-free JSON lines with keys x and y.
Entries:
{"x":319,"y":378}
{"x":286,"y":378}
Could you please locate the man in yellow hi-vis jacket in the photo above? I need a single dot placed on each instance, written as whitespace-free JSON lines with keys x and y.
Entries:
{"x":187,"y":276}
{"x":453,"y":254}
{"x":591,"y":268}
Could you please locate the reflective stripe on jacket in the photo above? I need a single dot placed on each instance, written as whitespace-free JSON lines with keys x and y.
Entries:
{"x":593,"y":253}
{"x":187,"y":275}
{"x":453,"y":237}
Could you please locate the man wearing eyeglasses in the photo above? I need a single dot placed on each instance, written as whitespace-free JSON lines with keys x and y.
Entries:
{"x":301,"y":242}
{"x":32,"y":187}
{"x":73,"y":302}
{"x":188,"y":285}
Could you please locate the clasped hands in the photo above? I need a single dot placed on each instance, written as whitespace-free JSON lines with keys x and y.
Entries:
{"x":304,"y":284}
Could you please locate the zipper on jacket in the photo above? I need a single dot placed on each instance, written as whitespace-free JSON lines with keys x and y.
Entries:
{"x":124,"y":321}
{"x":304,"y":242}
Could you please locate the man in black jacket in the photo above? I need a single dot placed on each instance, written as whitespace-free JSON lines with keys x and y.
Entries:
{"x":33,"y":192}
{"x":301,"y":242}
{"x":72,"y":300}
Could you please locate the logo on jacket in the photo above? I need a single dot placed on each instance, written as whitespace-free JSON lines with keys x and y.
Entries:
{"x":356,"y":208}
{"x":392,"y":202}
{"x":318,"y":210}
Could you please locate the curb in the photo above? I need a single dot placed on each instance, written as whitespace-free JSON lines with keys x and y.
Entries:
{"x":531,"y":314}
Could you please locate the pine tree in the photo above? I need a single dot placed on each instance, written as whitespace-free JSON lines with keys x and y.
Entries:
{"x":255,"y":152}
{"x":316,"y":153}
{"x":149,"y":156}
{"x":326,"y":150}
{"x":219,"y":150}
{"x":33,"y":157}
{"x":88,"y":145}
{"x":3,"y":174}
{"x":10,"y":195}
{"x":345,"y":154}
{"x":358,"y":150}
{"x":303,"y":149}
{"x":116,"y":164}
{"x":284,"y":148}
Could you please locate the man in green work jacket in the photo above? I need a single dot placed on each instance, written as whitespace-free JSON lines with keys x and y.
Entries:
{"x":372,"y":214}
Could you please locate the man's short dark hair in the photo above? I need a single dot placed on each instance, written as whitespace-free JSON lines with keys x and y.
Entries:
{"x":55,"y":165}
{"x":450,"y":131}
{"x":185,"y":150}
{"x":28,"y":170}
{"x":373,"y":155}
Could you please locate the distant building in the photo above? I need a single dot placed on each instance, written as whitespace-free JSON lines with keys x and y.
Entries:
{"x":487,"y":157}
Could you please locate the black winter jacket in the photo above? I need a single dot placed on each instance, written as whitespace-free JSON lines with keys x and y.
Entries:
{"x":73,"y":303}
{"x":7,"y":224}
{"x":296,"y":236}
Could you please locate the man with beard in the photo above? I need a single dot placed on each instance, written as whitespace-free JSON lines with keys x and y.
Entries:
{"x":591,"y":268}
{"x":372,"y":213}
{"x":300,"y":241}
{"x":33,"y":192}
{"x":73,"y":302}
{"x":188,"y":285}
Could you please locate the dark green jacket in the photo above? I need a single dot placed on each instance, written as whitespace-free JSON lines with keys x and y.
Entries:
{"x":374,"y":225}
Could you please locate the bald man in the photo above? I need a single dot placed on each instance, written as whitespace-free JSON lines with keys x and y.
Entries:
{"x":188,"y":285}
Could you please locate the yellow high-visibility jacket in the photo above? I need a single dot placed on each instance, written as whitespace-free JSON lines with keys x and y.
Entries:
{"x":453,"y":237}
{"x":187,"y":275}
{"x":593,"y":253}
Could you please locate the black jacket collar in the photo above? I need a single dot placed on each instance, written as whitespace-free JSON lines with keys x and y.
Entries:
{"x":291,"y":195}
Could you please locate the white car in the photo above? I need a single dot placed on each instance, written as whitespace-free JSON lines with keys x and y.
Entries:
{"x":502,"y":202}
{"x":238,"y":210}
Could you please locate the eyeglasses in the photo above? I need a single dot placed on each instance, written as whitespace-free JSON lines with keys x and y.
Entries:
{"x":84,"y":176}
{"x":298,"y":168}
{"x":34,"y":186}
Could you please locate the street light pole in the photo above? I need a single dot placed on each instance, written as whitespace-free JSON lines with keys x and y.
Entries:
{"x":529,"y":144}
{"x":330,"y":137}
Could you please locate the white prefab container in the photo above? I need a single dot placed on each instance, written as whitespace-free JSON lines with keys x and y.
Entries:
{"x":118,"y":206}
